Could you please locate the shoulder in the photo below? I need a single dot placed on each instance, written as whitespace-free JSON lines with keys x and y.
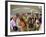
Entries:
{"x":11,"y":21}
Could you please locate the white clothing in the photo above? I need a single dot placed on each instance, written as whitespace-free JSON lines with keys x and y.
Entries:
{"x":12,"y":24}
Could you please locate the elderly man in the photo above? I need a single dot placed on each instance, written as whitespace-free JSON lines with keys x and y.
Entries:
{"x":13,"y":24}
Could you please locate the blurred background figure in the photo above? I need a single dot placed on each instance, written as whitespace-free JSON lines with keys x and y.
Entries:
{"x":22,"y":24}
{"x":13,"y":24}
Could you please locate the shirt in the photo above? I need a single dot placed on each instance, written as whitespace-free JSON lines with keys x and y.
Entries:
{"x":12,"y":24}
{"x":17,"y":22}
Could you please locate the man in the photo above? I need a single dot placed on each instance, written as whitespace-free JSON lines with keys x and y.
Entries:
{"x":13,"y":24}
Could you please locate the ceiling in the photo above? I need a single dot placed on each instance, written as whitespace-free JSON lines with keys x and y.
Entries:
{"x":25,"y":9}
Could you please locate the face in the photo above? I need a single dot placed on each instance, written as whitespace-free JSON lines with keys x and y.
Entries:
{"x":14,"y":18}
{"x":22,"y":24}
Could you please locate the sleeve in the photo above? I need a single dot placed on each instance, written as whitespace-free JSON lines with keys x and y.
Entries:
{"x":11,"y":25}
{"x":17,"y":22}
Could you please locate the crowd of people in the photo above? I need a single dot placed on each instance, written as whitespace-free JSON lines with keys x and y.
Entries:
{"x":25,"y":22}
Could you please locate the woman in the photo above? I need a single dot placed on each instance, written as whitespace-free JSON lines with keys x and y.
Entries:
{"x":22,"y":24}
{"x":13,"y":25}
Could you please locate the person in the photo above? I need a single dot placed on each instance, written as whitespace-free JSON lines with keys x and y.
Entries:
{"x":22,"y":25}
{"x":18,"y":21}
{"x":13,"y":24}
{"x":36,"y":25}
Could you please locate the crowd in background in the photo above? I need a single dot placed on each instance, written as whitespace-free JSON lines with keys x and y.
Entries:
{"x":25,"y":22}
